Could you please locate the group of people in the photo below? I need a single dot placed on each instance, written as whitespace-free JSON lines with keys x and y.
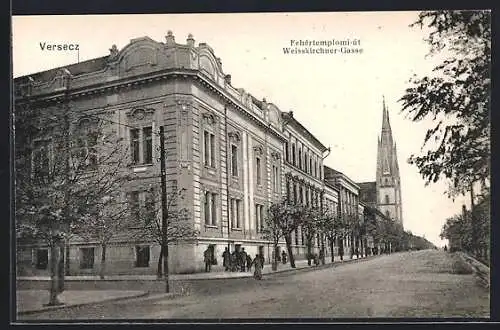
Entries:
{"x":240,"y":260}
{"x":237,"y":261}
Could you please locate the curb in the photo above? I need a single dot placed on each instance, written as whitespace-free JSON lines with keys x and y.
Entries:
{"x":51,"y":308}
{"x":482,"y":277}
{"x":249,"y":275}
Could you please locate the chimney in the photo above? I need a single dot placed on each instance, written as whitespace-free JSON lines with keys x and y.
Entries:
{"x":190,"y":40}
{"x":170,"y":39}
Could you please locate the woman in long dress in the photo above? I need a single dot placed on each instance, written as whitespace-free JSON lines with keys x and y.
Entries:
{"x":257,"y":263}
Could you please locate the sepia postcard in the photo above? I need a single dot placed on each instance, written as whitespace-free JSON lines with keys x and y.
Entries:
{"x":252,"y":167}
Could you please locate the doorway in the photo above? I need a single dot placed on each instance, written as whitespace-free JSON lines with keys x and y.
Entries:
{"x":211,"y":250}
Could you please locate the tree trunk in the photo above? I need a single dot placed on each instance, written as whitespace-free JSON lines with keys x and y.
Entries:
{"x":159,"y":269}
{"x":288,"y":240}
{"x":332,"y":249}
{"x":66,"y":259}
{"x":103,"y":260}
{"x":309,"y":251}
{"x":55,"y":258}
{"x":352,"y":245}
{"x":275,"y":256}
{"x":165,"y":267}
{"x":362,"y":248}
{"x":341,"y":248}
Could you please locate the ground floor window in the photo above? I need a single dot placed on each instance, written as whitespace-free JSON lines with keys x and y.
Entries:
{"x":142,"y":256}
{"x":87,"y":258}
{"x":42,"y":258}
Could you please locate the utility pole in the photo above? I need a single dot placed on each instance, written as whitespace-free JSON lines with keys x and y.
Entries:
{"x":164,"y":215}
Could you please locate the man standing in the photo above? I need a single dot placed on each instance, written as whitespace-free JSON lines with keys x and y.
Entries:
{"x":243,"y":259}
{"x":207,"y":257}
{"x":226,"y":259}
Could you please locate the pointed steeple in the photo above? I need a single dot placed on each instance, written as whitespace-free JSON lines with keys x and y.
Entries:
{"x":388,"y":180}
{"x":386,"y":125}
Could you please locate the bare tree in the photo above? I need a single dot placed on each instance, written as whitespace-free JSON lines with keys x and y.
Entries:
{"x":178,"y":227}
{"x":60,"y":181}
{"x":110,"y":210}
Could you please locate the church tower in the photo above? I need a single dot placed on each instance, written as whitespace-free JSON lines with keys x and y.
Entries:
{"x":388,"y":182}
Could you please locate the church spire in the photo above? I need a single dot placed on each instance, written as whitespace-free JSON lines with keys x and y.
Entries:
{"x":388,"y":180}
{"x":386,"y":125}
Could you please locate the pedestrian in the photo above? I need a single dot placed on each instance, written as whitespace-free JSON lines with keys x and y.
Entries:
{"x":207,"y":257}
{"x":243,"y":259}
{"x":257,"y":263}
{"x":249,"y":262}
{"x":234,"y":261}
{"x":261,"y":261}
{"x":341,"y":253}
{"x":226,"y":259}
{"x":445,"y":248}
{"x":316,"y":259}
{"x":283,"y":257}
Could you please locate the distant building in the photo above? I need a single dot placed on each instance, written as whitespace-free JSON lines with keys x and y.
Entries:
{"x":385,"y":192}
{"x":348,"y":202}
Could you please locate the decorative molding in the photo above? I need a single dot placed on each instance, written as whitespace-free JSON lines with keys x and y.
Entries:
{"x":234,"y":136}
{"x":209,"y":118}
{"x":113,"y":53}
{"x":140,"y":113}
{"x":183,"y":101}
{"x":86,"y":120}
{"x":258,"y":150}
{"x":275,"y":155}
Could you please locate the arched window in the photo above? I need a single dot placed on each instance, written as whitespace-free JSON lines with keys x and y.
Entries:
{"x":386,"y":181}
{"x":387,"y":199}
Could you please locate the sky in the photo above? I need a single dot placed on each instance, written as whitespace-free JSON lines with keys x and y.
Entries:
{"x":337,"y":97}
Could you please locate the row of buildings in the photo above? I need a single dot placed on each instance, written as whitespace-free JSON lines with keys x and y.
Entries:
{"x":231,"y":154}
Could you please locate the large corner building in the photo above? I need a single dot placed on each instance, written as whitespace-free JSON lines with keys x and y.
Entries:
{"x":231,"y":153}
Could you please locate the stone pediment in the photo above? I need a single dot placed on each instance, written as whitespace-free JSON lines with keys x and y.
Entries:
{"x":274,"y":115}
{"x":139,"y":54}
{"x":209,"y":63}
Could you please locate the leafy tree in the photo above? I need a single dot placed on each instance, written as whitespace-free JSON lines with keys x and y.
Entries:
{"x":283,"y":218}
{"x":276,"y":214}
{"x":330,"y":225}
{"x":456,"y":95}
{"x":463,"y":236}
{"x":310,"y":227}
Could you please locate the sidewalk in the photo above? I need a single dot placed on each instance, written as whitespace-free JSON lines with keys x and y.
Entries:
{"x":217,"y":273}
{"x":30,"y":301}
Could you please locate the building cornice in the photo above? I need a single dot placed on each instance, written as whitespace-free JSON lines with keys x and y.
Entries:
{"x":60,"y":96}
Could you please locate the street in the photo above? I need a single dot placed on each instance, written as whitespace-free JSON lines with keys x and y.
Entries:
{"x":410,"y":284}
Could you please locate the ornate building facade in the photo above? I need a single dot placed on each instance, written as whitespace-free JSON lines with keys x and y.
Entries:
{"x":230,"y":153}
